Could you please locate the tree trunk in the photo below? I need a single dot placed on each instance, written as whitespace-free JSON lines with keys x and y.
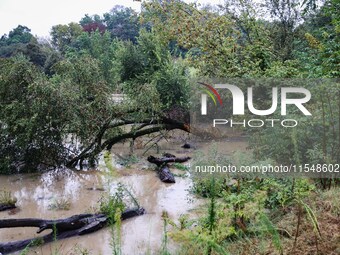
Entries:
{"x":165,"y":174}
{"x":4,"y":207}
{"x":63,"y":228}
{"x":164,"y":160}
{"x":163,"y":170}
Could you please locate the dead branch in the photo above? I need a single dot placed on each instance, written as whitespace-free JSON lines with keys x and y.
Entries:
{"x":62,"y":228}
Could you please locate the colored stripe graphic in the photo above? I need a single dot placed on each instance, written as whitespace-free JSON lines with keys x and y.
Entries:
{"x":213,"y":91}
{"x":210,"y":94}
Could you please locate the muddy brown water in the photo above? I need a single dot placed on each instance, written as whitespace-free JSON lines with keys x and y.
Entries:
{"x":83,"y":189}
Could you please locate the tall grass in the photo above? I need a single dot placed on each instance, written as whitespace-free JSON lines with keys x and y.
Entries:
{"x":164,"y":248}
{"x":116,"y":239}
{"x":7,"y":198}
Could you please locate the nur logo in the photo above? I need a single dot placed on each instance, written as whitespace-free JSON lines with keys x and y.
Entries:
{"x":239,"y":99}
{"x":211,"y":92}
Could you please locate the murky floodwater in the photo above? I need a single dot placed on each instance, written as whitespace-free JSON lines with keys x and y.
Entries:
{"x":83,"y":189}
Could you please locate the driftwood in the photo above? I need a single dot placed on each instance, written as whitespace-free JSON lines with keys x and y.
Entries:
{"x":165,"y":160}
{"x":4,"y":207}
{"x":63,"y":228}
{"x":186,"y":146}
{"x":165,"y":174}
{"x":163,"y":170}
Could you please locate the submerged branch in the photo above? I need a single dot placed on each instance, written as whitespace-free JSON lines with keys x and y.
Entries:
{"x":147,"y":126}
{"x":163,"y":170}
{"x":63,"y":228}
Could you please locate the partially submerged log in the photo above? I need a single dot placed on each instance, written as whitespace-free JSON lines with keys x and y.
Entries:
{"x":163,"y":170}
{"x":4,"y":207}
{"x":165,"y":174}
{"x":165,"y":160}
{"x":186,"y":146}
{"x":63,"y":228}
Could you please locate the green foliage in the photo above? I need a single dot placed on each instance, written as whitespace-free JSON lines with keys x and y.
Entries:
{"x":20,"y":34}
{"x":20,"y":41}
{"x":270,"y":229}
{"x":129,"y":160}
{"x":64,"y":35}
{"x":122,"y":23}
{"x":221,"y":42}
{"x":181,"y":167}
{"x":311,"y":216}
{"x":60,"y":204}
{"x":331,"y":201}
{"x":116,"y":233}
{"x":244,"y":207}
{"x":201,"y":187}
{"x":210,"y":232}
{"x":164,"y":248}
{"x":108,"y":162}
{"x":172,"y":85}
{"x":150,"y":77}
{"x":100,"y":47}
{"x":109,"y":205}
{"x":121,"y":199}
{"x":202,"y":182}
{"x":81,"y":250}
{"x":37,"y":113}
{"x":36,"y":242}
{"x":131,"y":61}
{"x":283,"y":192}
{"x":87,"y":93}
{"x":314,"y":141}
{"x":113,"y":206}
{"x":75,"y":101}
{"x":7,"y":198}
{"x":47,"y":119}
{"x":31,"y":117}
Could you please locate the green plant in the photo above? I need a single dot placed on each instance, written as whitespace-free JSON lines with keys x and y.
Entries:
{"x":37,"y":242}
{"x":108,"y":162}
{"x":129,"y":160}
{"x":113,"y":206}
{"x":110,"y":204}
{"x":211,"y":219}
{"x":270,"y":229}
{"x":81,"y":250}
{"x":164,"y":248}
{"x":201,"y":180}
{"x":116,"y":241}
{"x":180,"y":166}
{"x":184,"y":222}
{"x":7,"y":198}
{"x":302,"y":206}
{"x":60,"y":204}
{"x":331,"y":201}
{"x":121,"y":199}
{"x":55,"y":249}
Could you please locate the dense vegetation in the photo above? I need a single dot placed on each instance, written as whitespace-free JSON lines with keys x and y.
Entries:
{"x":58,"y":108}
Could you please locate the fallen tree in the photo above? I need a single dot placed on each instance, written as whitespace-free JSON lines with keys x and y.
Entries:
{"x":165,"y":160}
{"x":80,"y":115}
{"x":62,"y":228}
{"x":163,"y":170}
{"x":6,"y":206}
{"x":175,"y":118}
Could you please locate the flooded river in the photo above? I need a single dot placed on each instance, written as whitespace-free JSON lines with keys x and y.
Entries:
{"x":84,"y":189}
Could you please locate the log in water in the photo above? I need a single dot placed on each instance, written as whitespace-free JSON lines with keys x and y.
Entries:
{"x":163,"y":170}
{"x":62,"y":228}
